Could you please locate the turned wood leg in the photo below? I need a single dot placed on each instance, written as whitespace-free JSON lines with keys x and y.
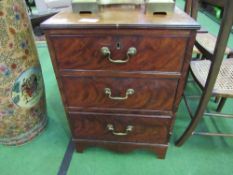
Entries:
{"x":221,"y":104}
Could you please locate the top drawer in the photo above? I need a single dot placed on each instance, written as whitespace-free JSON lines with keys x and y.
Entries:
{"x":119,"y":52}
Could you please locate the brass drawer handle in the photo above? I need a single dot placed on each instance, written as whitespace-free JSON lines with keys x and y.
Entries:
{"x":107,"y":53}
{"x":128,"y":129}
{"x":108,"y":92}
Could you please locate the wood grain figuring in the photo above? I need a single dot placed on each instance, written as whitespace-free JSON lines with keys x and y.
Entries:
{"x":145,"y":130}
{"x":84,"y":52}
{"x":156,"y":74}
{"x":149,"y":93}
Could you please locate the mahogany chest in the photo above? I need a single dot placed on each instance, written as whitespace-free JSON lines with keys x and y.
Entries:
{"x":121,"y":74}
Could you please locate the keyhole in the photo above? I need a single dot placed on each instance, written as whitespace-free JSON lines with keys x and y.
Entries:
{"x":118,"y":45}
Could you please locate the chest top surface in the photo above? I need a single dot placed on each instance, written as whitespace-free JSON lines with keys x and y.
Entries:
{"x":117,"y":18}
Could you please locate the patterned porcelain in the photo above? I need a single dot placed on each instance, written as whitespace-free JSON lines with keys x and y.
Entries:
{"x":22,"y":107}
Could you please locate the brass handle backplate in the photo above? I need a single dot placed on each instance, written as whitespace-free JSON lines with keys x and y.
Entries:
{"x":108,"y":92}
{"x":128,"y":129}
{"x":107,"y":53}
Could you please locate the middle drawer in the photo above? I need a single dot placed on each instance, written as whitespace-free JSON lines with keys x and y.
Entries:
{"x":121,"y":93}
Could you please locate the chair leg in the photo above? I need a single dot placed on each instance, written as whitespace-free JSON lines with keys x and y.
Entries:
{"x":225,"y":28}
{"x":221,"y":104}
{"x":206,"y":95}
{"x":189,"y":130}
{"x":198,"y":116}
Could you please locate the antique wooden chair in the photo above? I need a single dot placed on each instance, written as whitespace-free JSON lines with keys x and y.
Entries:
{"x":205,"y":42}
{"x":214,"y":75}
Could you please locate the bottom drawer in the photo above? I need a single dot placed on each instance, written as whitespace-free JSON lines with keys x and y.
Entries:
{"x":123,"y":128}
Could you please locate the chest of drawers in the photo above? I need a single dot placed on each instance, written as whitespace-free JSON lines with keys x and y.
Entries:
{"x":121,"y":75}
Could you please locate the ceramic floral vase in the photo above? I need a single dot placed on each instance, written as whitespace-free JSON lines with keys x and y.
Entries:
{"x":22,"y":102}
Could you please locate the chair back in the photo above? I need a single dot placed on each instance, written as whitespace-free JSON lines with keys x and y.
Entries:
{"x":190,"y":3}
{"x":222,"y":38}
{"x":226,"y":22}
{"x":187,"y":7}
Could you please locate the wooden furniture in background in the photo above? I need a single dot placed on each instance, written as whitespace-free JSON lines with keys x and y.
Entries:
{"x":121,"y":78}
{"x":214,"y":76}
{"x":205,"y":42}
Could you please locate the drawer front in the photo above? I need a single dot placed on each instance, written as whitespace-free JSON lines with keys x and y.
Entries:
{"x":131,"y":53}
{"x":120,"y":128}
{"x":121,"y":93}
